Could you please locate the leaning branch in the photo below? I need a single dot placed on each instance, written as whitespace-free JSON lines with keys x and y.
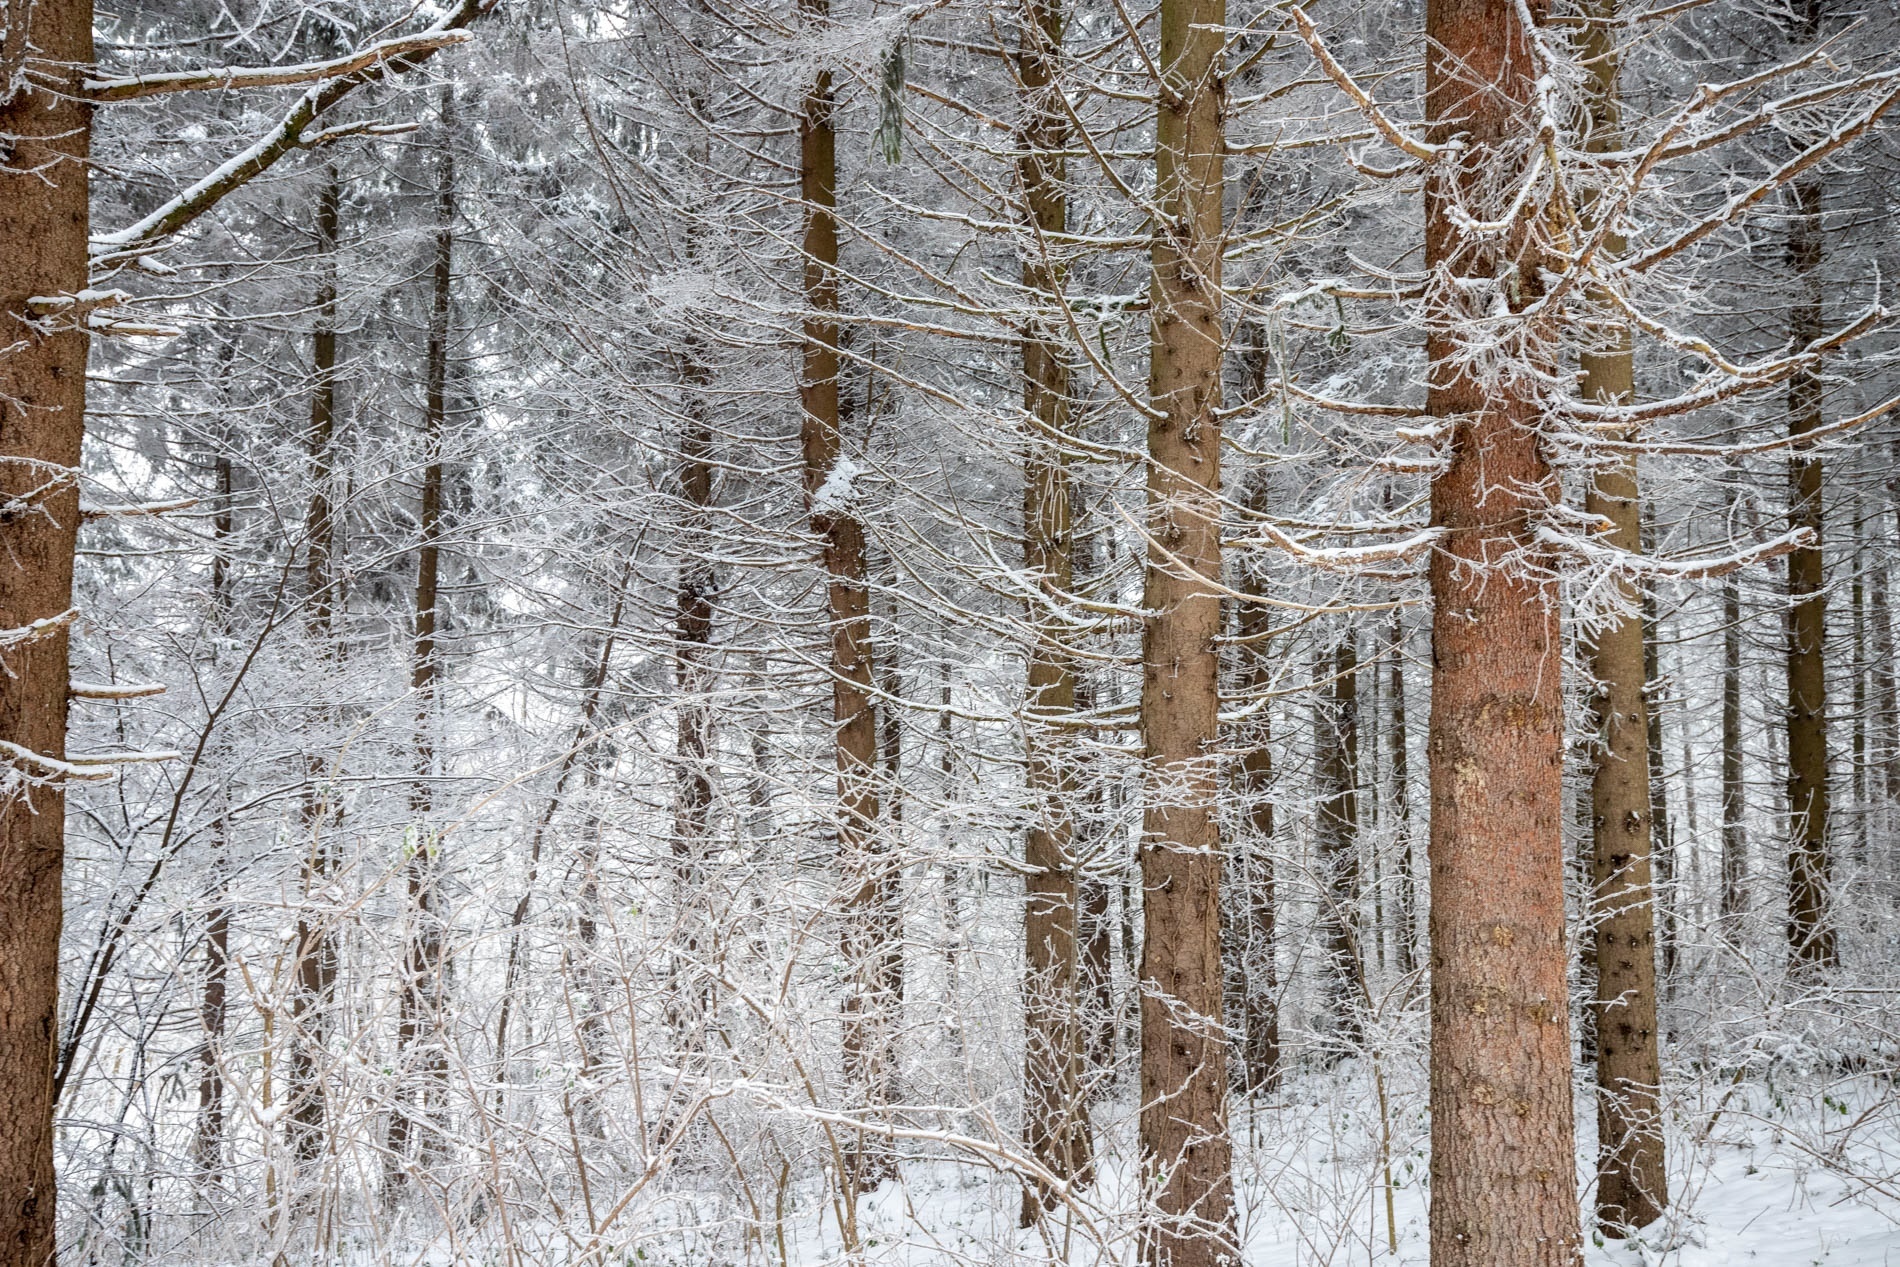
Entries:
{"x":113,"y":249}
{"x":215,"y":77}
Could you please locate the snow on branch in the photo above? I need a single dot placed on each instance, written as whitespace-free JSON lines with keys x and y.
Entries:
{"x":1802,"y":440}
{"x":1844,"y":134}
{"x":1349,"y":558}
{"x":1678,"y":569}
{"x":217,"y":77}
{"x":1360,"y":97}
{"x":39,"y":769}
{"x":38,"y":629}
{"x":168,"y":218}
{"x":135,"y":509}
{"x":114,"y":690}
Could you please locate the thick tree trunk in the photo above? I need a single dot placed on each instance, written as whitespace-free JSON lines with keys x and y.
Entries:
{"x":315,"y":967}
{"x":1811,"y":936}
{"x":1336,"y":837}
{"x":1055,"y":1113}
{"x":1503,"y":1146}
{"x":43,"y":227}
{"x":828,"y":475}
{"x":417,"y":1120}
{"x":1186,"y":1154}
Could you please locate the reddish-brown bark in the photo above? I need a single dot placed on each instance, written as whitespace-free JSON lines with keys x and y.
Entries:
{"x":1503,"y":1148}
{"x":43,"y":232}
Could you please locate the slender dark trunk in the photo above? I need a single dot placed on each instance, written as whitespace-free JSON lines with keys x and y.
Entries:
{"x":1336,"y":839}
{"x":1734,"y":787}
{"x":208,"y":1138}
{"x":1055,"y":1112}
{"x":1811,"y":937}
{"x":315,"y":966}
{"x":1260,"y":1008}
{"x":417,"y":1123}
{"x":828,"y":476}
{"x":1400,"y":749}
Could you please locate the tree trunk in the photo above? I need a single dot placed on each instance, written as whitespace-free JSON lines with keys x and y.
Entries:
{"x":208,"y":1137}
{"x":1095,"y":926}
{"x":1186,"y":1154}
{"x":1400,"y":749}
{"x":1632,"y":1186}
{"x":1055,"y":1113}
{"x":1885,"y":706}
{"x":315,"y":967}
{"x":1260,"y":1009}
{"x":1734,"y":789}
{"x":1662,"y":837}
{"x":1631,"y":1182}
{"x":1503,"y":1148}
{"x":1336,"y":837}
{"x":828,"y":474}
{"x":1811,"y":937}
{"x":417,"y":1121}
{"x":43,"y":227}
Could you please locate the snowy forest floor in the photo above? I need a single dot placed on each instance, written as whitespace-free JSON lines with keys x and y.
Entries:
{"x":1789,"y":1172}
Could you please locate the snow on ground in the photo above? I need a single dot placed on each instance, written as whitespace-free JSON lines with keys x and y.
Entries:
{"x":1771,"y":1186}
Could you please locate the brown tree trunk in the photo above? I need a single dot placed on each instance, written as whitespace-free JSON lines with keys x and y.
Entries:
{"x":1811,"y":937}
{"x":1631,"y":1182}
{"x":208,"y":1137}
{"x":1400,"y":750}
{"x":1632,"y":1186}
{"x":43,"y":227}
{"x":1503,"y":1148}
{"x":1094,"y":923}
{"x":1336,"y":839}
{"x":1055,"y":1113}
{"x":422,"y":1068}
{"x":1885,"y":706}
{"x":1734,"y":790}
{"x":1260,"y":1007}
{"x":1662,"y":838}
{"x":315,"y":967}
{"x":828,"y":473}
{"x":1186,"y":1154}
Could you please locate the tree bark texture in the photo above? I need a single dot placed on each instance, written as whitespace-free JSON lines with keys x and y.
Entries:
{"x":1811,"y":937}
{"x":1186,"y":1154}
{"x":43,"y":229}
{"x":1503,"y":1148}
{"x":1631,"y":1181}
{"x":1055,"y":1112}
